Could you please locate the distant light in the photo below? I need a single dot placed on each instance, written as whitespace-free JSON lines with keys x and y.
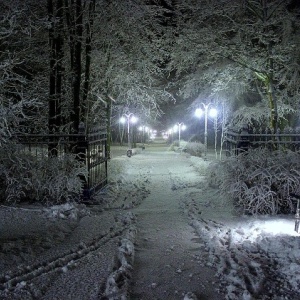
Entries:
{"x":133,"y":119}
{"x":183,"y":127}
{"x":198,"y":112}
{"x":213,"y":112}
{"x":122,"y":120}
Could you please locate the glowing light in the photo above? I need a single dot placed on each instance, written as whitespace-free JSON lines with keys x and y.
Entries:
{"x":198,"y":112}
{"x":213,"y":112}
{"x":133,"y":119}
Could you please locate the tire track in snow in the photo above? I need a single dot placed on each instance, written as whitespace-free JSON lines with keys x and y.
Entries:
{"x":61,"y":263}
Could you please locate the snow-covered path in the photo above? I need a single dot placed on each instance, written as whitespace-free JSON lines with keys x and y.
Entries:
{"x":167,"y":253}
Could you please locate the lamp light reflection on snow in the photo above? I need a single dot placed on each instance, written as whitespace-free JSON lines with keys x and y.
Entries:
{"x":257,"y":230}
{"x":280,"y":227}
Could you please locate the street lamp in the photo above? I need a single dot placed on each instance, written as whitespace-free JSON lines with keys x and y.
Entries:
{"x":170,"y":133}
{"x":143,"y":128}
{"x":179,"y":127}
{"x":213,"y":113}
{"x":130,"y":118}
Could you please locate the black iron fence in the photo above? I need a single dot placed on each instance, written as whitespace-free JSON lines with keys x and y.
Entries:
{"x":239,"y":140}
{"x":91,"y":148}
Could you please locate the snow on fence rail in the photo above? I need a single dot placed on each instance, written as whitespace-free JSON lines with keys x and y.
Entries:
{"x":239,"y":140}
{"x":90,"y":147}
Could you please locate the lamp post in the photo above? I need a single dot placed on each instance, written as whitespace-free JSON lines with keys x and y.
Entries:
{"x":179,"y":127}
{"x":129,"y":118}
{"x":143,"y":128}
{"x":213,"y":113}
{"x":170,"y":133}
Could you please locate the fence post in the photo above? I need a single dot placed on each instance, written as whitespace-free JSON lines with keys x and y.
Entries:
{"x":81,"y":143}
{"x":81,"y":151}
{"x":243,"y":143}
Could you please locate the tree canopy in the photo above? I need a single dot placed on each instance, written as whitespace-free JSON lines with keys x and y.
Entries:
{"x":236,"y":48}
{"x":66,"y":61}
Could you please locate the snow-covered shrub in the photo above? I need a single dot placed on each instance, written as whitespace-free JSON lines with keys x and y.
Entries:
{"x":175,"y":143}
{"x":216,"y":173}
{"x":174,"y":146}
{"x":195,"y":148}
{"x":51,"y":180}
{"x":259,"y":180}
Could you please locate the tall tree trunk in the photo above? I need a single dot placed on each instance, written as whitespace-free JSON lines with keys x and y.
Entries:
{"x":52,"y":58}
{"x":77,"y":66}
{"x":59,"y":61}
{"x":55,"y":77}
{"x":70,"y":19}
{"x":88,"y":50}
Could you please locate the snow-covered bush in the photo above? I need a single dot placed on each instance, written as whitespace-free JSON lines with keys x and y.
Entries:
{"x":259,"y":180}
{"x":176,"y":143}
{"x":51,"y":180}
{"x":195,"y":148}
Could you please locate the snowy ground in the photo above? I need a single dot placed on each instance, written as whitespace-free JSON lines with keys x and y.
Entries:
{"x":158,"y":231}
